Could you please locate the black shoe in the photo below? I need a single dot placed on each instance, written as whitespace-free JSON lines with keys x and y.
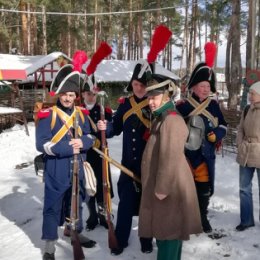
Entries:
{"x":91,"y":223}
{"x":242,"y":227}
{"x":88,"y":244}
{"x":48,"y":256}
{"x":117,"y":251}
{"x":206,"y":226}
{"x":146,"y":246}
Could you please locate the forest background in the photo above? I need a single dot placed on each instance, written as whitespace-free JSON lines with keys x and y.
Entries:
{"x":38,"y":27}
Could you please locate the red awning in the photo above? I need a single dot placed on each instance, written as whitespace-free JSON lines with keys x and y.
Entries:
{"x":12,"y":74}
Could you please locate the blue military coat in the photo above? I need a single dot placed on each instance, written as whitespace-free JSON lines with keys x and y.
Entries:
{"x":134,"y":135}
{"x":59,"y":165}
{"x":206,"y":153}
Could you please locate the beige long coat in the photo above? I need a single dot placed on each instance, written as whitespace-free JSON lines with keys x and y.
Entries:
{"x":248,"y":138}
{"x":165,"y":170}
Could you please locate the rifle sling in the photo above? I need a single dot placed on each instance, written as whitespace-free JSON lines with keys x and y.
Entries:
{"x":68,"y":123}
{"x":201,"y":109}
{"x":136,"y":109}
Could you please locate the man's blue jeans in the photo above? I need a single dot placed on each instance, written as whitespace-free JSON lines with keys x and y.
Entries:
{"x":246,"y":175}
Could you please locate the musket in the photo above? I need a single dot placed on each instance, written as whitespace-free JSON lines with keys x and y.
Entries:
{"x":112,"y":240}
{"x":74,"y":213}
{"x":117,"y":164}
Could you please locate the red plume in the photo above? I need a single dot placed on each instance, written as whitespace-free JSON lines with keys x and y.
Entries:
{"x":103,"y":51}
{"x":79,"y":58}
{"x":210,"y":49}
{"x":52,"y":93}
{"x":160,"y":38}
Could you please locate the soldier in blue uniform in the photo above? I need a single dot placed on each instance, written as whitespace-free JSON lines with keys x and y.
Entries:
{"x":54,"y":139}
{"x":207,"y":128}
{"x":131,"y":120}
{"x":95,"y":202}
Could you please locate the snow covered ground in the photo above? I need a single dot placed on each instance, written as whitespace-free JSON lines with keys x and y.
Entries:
{"x":21,"y":196}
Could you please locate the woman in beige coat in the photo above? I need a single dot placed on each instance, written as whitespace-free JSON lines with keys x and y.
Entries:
{"x":248,"y":157}
{"x":169,"y":208}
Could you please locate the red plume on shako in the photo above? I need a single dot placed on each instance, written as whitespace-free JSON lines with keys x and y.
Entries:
{"x":203,"y":71}
{"x":102,"y":52}
{"x":160,"y":38}
{"x":143,"y":68}
{"x":68,"y":77}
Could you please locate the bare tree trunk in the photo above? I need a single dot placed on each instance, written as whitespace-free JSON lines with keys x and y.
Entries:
{"x":86,"y":26}
{"x":195,"y":17}
{"x":69,"y":36}
{"x":95,"y":26}
{"x":250,"y":36}
{"x":185,"y":43}
{"x":258,"y":38}
{"x":76,"y":38}
{"x":29,"y":29}
{"x":130,"y":31}
{"x":158,"y":12}
{"x":206,"y":22}
{"x":199,"y":36}
{"x":23,"y":7}
{"x":140,"y":32}
{"x":234,"y":77}
{"x":44,"y":31}
{"x":33,"y":45}
{"x":193,"y":34}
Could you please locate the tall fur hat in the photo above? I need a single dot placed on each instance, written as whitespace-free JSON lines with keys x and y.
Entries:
{"x":67,"y":78}
{"x":144,"y":68}
{"x":203,"y":71}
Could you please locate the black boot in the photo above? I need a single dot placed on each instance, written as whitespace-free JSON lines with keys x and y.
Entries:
{"x":92,"y":220}
{"x":206,"y":225}
{"x":146,"y":245}
{"x":203,"y":192}
{"x":48,"y":256}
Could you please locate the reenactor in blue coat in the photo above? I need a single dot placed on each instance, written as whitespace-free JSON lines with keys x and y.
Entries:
{"x":54,"y":138}
{"x":95,"y":203}
{"x":130,"y":118}
{"x":207,"y":127}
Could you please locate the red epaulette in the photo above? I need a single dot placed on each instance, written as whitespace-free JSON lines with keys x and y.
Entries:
{"x":121,"y":100}
{"x":84,"y":110}
{"x":43,"y":113}
{"x":108,"y":110}
{"x":173,"y":113}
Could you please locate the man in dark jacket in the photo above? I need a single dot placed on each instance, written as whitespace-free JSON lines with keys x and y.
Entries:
{"x":55,"y":138}
{"x":131,"y":120}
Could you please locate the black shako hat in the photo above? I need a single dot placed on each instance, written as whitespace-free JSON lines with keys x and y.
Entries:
{"x":158,"y":84}
{"x":139,"y":76}
{"x":66,"y":80}
{"x":202,"y":72}
{"x":86,"y":87}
